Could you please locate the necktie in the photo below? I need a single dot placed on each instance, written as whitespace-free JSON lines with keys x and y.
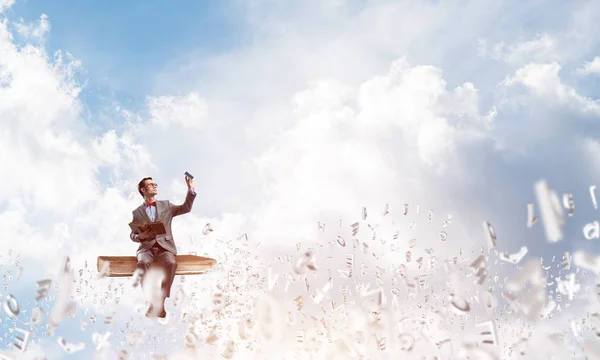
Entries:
{"x":151,"y":203}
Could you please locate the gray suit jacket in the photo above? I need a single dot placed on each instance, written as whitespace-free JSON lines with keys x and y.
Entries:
{"x":165,"y":211}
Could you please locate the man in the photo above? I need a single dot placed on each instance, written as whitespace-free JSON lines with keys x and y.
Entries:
{"x":159,"y":248}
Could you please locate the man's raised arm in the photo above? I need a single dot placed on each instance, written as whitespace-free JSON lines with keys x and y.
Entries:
{"x":186,"y":207}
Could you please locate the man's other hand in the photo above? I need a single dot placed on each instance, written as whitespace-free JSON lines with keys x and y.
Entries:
{"x":147,"y":234}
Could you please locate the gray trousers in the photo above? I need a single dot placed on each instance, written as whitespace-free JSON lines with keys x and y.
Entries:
{"x":162,"y":257}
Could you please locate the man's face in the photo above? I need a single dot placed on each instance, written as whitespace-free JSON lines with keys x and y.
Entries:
{"x":151,"y":188}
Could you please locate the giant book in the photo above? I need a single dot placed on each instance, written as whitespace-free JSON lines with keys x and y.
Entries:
{"x":117,"y":266}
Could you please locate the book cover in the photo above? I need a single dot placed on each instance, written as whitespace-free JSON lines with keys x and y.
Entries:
{"x":157,"y":226}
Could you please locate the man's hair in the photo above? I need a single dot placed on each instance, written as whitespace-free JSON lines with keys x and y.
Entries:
{"x":142,"y":184}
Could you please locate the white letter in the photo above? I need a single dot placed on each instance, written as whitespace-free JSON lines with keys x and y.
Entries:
{"x":551,"y":211}
{"x":592,"y":230}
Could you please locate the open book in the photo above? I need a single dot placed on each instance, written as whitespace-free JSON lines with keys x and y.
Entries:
{"x":157,"y":226}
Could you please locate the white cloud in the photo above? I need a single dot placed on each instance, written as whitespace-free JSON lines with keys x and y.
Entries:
{"x":543,"y":80}
{"x":39,"y":109}
{"x":189,"y":111}
{"x":122,"y":154}
{"x":35,"y":31}
{"x":591,"y":67}
{"x":339,"y":141}
{"x":362,"y":136}
{"x":106,"y":148}
{"x":339,"y":119}
{"x":542,"y":48}
{"x":592,"y":149}
{"x":5,"y":4}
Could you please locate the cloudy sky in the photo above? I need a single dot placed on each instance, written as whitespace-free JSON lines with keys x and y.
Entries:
{"x":288,"y":113}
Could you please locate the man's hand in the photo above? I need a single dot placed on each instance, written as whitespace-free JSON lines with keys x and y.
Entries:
{"x":147,"y":234}
{"x":190,"y":183}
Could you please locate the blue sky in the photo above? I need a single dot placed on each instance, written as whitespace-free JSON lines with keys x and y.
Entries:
{"x":289,"y":113}
{"x":122,"y":46}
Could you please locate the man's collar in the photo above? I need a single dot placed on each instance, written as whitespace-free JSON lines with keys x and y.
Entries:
{"x":146,"y":201}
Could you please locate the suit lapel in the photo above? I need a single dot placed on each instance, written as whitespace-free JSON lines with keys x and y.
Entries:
{"x":142,"y":213}
{"x":160,"y":207}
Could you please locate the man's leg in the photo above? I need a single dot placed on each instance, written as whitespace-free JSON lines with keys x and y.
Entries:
{"x":145,"y":260}
{"x":169,"y":264}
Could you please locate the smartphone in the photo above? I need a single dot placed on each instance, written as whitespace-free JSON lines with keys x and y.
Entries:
{"x":189,"y":175}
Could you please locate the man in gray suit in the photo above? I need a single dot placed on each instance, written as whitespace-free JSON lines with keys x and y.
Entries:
{"x":159,"y":248}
